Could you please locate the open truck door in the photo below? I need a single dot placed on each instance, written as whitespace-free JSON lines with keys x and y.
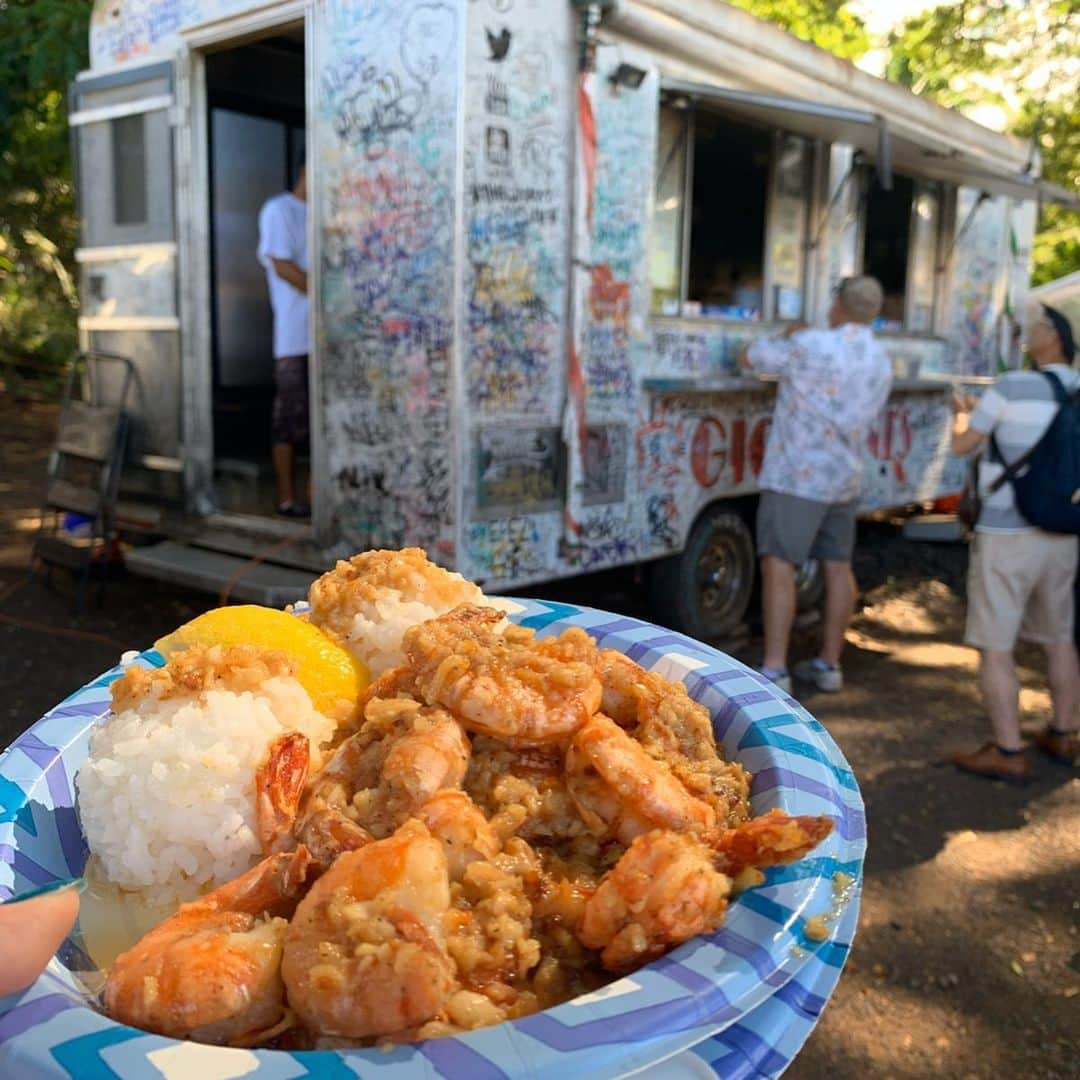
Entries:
{"x":122,"y":148}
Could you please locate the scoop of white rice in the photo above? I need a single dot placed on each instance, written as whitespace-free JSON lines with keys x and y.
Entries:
{"x":166,"y":796}
{"x":376,"y":629}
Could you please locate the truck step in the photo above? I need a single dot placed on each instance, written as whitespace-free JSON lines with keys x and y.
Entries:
{"x":934,"y":528}
{"x":209,"y":571}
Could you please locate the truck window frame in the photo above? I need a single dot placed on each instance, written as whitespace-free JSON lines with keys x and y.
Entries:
{"x":679,"y":154}
{"x":925,"y":250}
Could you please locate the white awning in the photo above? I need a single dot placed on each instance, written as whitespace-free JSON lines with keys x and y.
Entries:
{"x":924,"y":156}
{"x":829,"y":122}
{"x":938,"y":161}
{"x":1054,"y":193}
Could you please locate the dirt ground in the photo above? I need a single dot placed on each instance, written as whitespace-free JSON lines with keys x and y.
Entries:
{"x":967,"y":961}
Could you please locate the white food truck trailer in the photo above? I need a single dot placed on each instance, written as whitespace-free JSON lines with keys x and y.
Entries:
{"x":540,"y":231}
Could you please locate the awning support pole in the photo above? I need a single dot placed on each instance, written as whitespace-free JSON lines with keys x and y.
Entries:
{"x":833,"y":200}
{"x":962,"y":231}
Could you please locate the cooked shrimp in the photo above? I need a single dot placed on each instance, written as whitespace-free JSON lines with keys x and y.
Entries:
{"x":677,"y":730}
{"x":404,"y":753}
{"x":626,"y":687}
{"x":286,"y":814}
{"x":663,"y":891}
{"x":619,"y":790}
{"x":212,"y":971}
{"x":365,"y":952}
{"x":771,"y":840}
{"x":657,"y":710}
{"x":327,"y":831}
{"x":396,"y":682}
{"x":505,"y":684}
{"x":432,"y":756}
{"x":279,"y":786}
{"x":459,"y":824}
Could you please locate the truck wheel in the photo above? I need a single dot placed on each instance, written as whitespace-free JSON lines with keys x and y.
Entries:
{"x":809,"y":586}
{"x":704,"y":591}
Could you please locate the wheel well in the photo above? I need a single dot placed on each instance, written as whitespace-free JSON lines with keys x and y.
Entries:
{"x":743,"y":505}
{"x":810,"y":591}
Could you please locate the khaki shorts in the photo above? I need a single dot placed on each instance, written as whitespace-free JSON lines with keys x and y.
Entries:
{"x":797,"y":529}
{"x":1020,"y":585}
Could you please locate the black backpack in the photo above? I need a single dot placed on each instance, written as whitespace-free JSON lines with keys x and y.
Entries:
{"x":1048,"y":492}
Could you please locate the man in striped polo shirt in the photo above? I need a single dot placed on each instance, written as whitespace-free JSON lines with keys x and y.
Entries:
{"x":1020,"y":578}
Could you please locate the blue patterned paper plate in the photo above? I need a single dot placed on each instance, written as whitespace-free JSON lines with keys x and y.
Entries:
{"x":736,"y":988}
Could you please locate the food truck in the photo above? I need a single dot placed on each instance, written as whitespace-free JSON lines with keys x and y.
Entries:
{"x":540,"y":232}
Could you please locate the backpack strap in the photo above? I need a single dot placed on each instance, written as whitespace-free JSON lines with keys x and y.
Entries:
{"x":1056,"y":385}
{"x":1007,"y":471}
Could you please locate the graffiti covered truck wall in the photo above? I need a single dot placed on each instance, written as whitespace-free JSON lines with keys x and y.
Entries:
{"x":617,"y":131}
{"x":388,"y":154}
{"x":516,"y":196}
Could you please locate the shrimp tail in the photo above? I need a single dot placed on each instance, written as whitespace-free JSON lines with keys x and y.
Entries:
{"x":327,"y":832}
{"x":771,"y":840}
{"x":270,"y":888}
{"x":279,"y":785}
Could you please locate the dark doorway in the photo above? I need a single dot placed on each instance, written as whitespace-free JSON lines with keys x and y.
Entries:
{"x":255,"y":95}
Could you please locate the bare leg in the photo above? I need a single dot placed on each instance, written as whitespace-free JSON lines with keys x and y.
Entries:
{"x":777,"y":608}
{"x":1001,"y":693}
{"x":1063,"y":675}
{"x":282,"y":454}
{"x":840,"y":592}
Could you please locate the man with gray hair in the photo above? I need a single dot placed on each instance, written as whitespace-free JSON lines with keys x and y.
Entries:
{"x":833,"y":384}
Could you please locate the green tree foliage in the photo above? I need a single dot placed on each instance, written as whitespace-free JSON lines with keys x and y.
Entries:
{"x":1024,"y":56}
{"x":828,"y":23}
{"x":1057,"y":128}
{"x":44,"y":44}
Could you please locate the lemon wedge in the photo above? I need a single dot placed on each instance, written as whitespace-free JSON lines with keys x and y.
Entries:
{"x":331,"y":675}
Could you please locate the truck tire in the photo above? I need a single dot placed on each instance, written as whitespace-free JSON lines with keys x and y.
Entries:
{"x":704,"y":591}
{"x":809,"y":586}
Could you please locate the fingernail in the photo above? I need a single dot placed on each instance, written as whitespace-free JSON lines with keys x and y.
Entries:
{"x":43,"y":890}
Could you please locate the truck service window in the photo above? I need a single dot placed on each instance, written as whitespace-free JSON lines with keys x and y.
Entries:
{"x":729,"y":216}
{"x":887,"y":244}
{"x":727,"y":232}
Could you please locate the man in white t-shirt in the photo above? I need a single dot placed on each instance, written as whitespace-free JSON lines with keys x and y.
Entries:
{"x":832,"y":385}
{"x":283,"y":252}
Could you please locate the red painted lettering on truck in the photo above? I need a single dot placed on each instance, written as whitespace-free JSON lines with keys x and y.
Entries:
{"x":708,"y":451}
{"x":890,"y":439}
{"x":713,"y":447}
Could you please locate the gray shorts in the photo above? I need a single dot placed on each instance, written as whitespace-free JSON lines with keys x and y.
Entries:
{"x":796,"y":529}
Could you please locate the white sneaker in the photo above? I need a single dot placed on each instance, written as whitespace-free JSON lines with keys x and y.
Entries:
{"x":780,"y":679}
{"x":826,"y":677}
